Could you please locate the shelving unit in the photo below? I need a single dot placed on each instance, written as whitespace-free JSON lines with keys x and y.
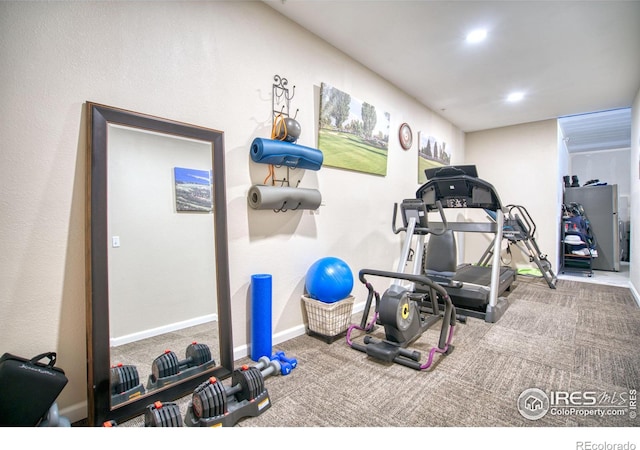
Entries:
{"x":572,"y":262}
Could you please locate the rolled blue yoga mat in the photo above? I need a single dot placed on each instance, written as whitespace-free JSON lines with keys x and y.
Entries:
{"x":282,"y":153}
{"x":261,"y":338}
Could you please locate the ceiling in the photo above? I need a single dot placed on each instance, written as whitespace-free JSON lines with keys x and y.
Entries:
{"x":567,"y":58}
{"x":604,"y":130}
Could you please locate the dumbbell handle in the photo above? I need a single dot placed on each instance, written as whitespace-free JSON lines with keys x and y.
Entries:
{"x":185,"y":362}
{"x":273,"y":368}
{"x":233,"y":389}
{"x":263,"y":363}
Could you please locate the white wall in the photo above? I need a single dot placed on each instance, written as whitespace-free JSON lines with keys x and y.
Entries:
{"x":634,"y":265}
{"x":608,"y":166}
{"x":206,"y":63}
{"x":161,"y":275}
{"x":563,"y":164}
{"x":522,"y":163}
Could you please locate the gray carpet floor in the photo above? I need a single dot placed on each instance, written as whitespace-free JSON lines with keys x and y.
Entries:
{"x":579,"y":337}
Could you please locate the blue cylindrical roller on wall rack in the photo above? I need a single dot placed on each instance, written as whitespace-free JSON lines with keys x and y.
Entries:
{"x":261,"y":298}
{"x":282,"y":153}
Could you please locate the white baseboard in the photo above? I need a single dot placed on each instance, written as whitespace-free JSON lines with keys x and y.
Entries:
{"x":115,"y":342}
{"x":78,"y":411}
{"x":243,"y":350}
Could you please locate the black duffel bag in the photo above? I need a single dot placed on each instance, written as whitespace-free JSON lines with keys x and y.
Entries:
{"x":28,"y":388}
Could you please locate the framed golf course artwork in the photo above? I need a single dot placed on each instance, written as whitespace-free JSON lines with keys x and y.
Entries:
{"x":352,"y":134}
{"x":431,"y":153}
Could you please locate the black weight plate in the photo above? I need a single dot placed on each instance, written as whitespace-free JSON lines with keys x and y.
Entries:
{"x":217,"y":398}
{"x":256,"y":375}
{"x":197,"y":404}
{"x":135,"y":378}
{"x":247,"y":383}
{"x":221,"y":398}
{"x":216,"y":390}
{"x":251,"y":375}
{"x":239,"y":378}
{"x":128,"y":378}
{"x":165,"y":418}
{"x":173,"y":364}
{"x":151,"y":417}
{"x":155,"y":371}
{"x":173,"y":414}
{"x":197,"y":355}
{"x":157,"y":367}
{"x":116,"y":384}
{"x":260,"y":379}
{"x":208,"y":401}
{"x":198,"y":400}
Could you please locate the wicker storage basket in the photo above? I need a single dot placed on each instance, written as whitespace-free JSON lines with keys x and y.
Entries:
{"x":328,"y":319}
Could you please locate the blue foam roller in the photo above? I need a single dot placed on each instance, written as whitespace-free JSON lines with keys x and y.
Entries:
{"x":282,"y":153}
{"x":261,"y":338}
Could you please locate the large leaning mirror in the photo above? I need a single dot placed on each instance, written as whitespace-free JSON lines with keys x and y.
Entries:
{"x":158,"y":308}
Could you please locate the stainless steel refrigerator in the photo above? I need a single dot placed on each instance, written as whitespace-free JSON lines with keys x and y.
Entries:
{"x":600,"y":205}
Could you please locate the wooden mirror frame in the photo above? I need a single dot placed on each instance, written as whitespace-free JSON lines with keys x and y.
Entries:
{"x":100,"y":117}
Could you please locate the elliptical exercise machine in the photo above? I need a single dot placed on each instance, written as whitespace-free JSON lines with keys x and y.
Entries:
{"x":405,"y":313}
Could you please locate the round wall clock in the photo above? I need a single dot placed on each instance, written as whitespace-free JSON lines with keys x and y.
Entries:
{"x":406,"y":136}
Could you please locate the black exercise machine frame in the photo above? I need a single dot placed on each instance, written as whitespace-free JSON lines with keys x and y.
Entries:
{"x":519,"y":230}
{"x":459,"y":188}
{"x":395,"y":351}
{"x":405,"y":313}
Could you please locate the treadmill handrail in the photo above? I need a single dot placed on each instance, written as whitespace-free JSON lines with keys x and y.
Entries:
{"x":526,"y":222}
{"x":437,"y":232}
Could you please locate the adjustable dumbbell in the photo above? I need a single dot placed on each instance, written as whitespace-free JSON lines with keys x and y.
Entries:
{"x":125,"y":383}
{"x":212,"y":399}
{"x":161,"y":414}
{"x":168,"y":364}
{"x":123,"y":378}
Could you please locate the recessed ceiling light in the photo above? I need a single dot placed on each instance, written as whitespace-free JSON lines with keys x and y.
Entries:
{"x":515,"y":97}
{"x":477,"y":36}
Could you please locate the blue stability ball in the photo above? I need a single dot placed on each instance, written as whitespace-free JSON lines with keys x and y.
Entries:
{"x":329,"y":280}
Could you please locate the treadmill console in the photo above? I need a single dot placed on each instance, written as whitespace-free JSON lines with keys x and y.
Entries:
{"x":456,"y":203}
{"x":456,"y":188}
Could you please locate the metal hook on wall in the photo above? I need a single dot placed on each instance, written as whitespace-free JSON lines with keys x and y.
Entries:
{"x":281,"y":87}
{"x":282,"y":208}
{"x":283,"y":180}
{"x":281,"y":94}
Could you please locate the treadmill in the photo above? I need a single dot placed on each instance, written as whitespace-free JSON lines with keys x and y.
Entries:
{"x":475,"y":289}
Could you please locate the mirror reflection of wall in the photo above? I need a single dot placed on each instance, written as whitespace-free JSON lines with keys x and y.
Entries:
{"x":163,"y":284}
{"x":161,"y":260}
